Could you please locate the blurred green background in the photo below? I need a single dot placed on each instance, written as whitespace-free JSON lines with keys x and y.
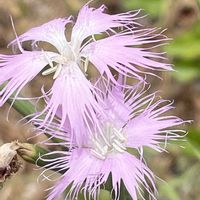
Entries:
{"x":180,"y":168}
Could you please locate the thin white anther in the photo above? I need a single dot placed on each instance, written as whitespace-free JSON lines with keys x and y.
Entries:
{"x":58,"y":70}
{"x":98,"y":155}
{"x":106,"y":140}
{"x":112,"y":137}
{"x":49,"y":71}
{"x":119,"y":134}
{"x":99,"y":147}
{"x":120,"y":144}
{"x":116,"y":147}
{"x":105,"y":150}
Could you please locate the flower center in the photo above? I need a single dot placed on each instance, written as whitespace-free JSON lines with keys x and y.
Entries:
{"x":113,"y":141}
{"x":56,"y":69}
{"x":57,"y":63}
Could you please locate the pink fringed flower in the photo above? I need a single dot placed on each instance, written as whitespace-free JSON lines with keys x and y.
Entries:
{"x":135,"y":120}
{"x":71,"y":91}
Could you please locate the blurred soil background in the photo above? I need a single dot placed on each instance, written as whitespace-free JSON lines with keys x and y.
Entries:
{"x":181,"y":167}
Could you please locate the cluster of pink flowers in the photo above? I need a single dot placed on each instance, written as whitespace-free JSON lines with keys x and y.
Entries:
{"x":99,"y":120}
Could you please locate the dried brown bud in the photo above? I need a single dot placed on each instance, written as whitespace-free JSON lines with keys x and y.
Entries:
{"x":9,"y":163}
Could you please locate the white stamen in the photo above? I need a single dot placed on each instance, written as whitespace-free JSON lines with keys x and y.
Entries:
{"x":120,"y":144}
{"x":49,"y":71}
{"x":119,"y":134}
{"x":117,"y":148}
{"x":105,"y":149}
{"x":58,"y":70}
{"x":98,"y":155}
{"x":99,"y":147}
{"x":111,"y":141}
{"x":106,"y":140}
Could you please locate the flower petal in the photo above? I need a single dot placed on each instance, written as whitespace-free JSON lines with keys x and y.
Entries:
{"x":93,"y":173}
{"x":113,"y":100}
{"x":152,"y":126}
{"x":74,"y":96}
{"x":52,"y":32}
{"x":19,"y":69}
{"x":121,"y":53}
{"x":93,"y":21}
{"x":133,"y":173}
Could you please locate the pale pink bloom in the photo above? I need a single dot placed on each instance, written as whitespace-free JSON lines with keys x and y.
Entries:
{"x":87,"y":173}
{"x":72,"y":92}
{"x":135,"y":120}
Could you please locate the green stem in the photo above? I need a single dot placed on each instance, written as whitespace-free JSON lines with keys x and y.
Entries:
{"x":24,"y":107}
